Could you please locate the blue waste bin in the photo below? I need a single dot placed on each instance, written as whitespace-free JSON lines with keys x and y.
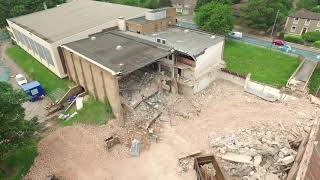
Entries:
{"x":33,"y":90}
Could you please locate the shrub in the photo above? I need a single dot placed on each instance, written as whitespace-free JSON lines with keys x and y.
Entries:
{"x":311,"y":36}
{"x":317,"y":44}
{"x":281,"y":35}
{"x":294,"y":39}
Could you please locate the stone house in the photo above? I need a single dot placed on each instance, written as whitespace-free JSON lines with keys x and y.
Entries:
{"x":302,"y":21}
{"x":184,"y":6}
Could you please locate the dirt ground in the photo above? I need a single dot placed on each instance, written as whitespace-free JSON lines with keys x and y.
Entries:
{"x":78,"y":152}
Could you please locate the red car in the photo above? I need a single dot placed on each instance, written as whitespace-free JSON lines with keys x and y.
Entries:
{"x":278,"y":42}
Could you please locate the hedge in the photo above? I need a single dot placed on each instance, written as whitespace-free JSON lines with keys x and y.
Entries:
{"x":294,"y":39}
{"x":311,"y":36}
{"x":317,"y":44}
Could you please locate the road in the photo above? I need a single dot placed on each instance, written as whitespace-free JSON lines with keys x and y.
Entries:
{"x":262,"y":43}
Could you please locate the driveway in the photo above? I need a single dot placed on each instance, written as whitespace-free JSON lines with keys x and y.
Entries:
{"x":32,"y":108}
{"x":261,"y":43}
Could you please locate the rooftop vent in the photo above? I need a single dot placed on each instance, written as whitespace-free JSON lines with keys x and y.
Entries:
{"x":163,"y":41}
{"x":213,"y":36}
{"x":93,"y":38}
{"x":119,"y":47}
{"x":186,"y":31}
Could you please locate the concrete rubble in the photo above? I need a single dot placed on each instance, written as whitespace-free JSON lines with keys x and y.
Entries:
{"x":264,"y":152}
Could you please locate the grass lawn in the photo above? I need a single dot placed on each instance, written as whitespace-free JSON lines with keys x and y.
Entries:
{"x":52,"y":84}
{"x":314,"y":82}
{"x":269,"y":67}
{"x":93,"y":112}
{"x":20,"y":159}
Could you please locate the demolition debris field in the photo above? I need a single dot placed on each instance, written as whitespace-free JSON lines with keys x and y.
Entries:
{"x":223,"y":120}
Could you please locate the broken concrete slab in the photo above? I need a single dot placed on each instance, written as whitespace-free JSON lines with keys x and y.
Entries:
{"x":188,"y":155}
{"x":286,"y":160}
{"x":257,"y":160}
{"x":135,"y":148}
{"x":111,"y":142}
{"x":240,"y":158}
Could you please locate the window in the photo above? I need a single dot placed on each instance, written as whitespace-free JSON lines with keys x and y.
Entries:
{"x":40,"y":51}
{"x":307,"y":22}
{"x":26,"y":41}
{"x":295,"y":20}
{"x":34,"y":47}
{"x":293,"y":29}
{"x":48,"y":56}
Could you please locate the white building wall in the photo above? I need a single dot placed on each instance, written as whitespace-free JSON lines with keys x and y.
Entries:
{"x":207,"y":61}
{"x":57,"y":68}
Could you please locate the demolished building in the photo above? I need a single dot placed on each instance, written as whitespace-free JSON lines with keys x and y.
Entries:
{"x":130,"y":64}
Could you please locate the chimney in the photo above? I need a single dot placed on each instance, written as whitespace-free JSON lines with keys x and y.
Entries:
{"x":122,"y":25}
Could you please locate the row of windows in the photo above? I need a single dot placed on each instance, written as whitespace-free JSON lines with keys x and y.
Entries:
{"x":306,"y":22}
{"x":294,"y":29}
{"x":38,"y":49}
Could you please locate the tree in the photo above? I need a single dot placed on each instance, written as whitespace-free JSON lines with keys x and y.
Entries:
{"x":307,"y":4}
{"x":260,"y":14}
{"x":14,"y":8}
{"x":165,"y":3}
{"x":215,"y":17}
{"x":204,"y":2}
{"x":14,"y":129}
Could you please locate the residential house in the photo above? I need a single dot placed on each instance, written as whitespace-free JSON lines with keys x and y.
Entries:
{"x":302,"y":21}
{"x":185,"y":7}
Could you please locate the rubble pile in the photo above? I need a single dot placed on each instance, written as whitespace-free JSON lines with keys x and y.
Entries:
{"x":267,"y":151}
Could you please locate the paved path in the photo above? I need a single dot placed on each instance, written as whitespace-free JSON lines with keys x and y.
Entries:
{"x":297,"y":51}
{"x":32,"y":108}
{"x":305,"y":71}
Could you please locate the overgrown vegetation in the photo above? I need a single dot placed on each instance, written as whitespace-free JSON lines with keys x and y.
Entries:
{"x":260,"y":14}
{"x":311,"y":5}
{"x":52,"y":84}
{"x":19,"y":160}
{"x":265,"y":66}
{"x":14,"y":8}
{"x":317,"y":44}
{"x":215,"y":17}
{"x":17,"y":140}
{"x":314,"y":82}
{"x":93,"y":112}
{"x":311,"y":36}
{"x":294,"y":39}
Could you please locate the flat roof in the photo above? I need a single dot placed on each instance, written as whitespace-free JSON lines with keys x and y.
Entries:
{"x":119,"y":52}
{"x":187,"y":41}
{"x":74,"y":17}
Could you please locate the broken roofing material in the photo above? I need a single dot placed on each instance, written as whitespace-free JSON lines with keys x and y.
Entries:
{"x":117,"y":52}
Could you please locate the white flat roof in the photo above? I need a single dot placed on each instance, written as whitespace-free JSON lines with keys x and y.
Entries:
{"x":74,"y":17}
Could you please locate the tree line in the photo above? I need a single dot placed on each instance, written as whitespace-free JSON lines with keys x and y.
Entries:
{"x":14,"y":8}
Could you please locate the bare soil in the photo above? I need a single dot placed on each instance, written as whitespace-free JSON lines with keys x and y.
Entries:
{"x":78,"y":152}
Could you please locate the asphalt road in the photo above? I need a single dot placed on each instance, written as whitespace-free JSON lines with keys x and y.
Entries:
{"x":262,"y":43}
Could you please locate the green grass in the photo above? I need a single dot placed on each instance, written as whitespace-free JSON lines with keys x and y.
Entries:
{"x":268,"y":67}
{"x":21,"y":159}
{"x":93,"y":112}
{"x":314,"y":82}
{"x":52,"y":84}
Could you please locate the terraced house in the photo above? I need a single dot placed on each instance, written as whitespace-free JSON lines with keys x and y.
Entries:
{"x":302,"y":21}
{"x":42,"y":33}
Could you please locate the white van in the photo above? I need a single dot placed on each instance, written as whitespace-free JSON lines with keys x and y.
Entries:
{"x":236,"y":35}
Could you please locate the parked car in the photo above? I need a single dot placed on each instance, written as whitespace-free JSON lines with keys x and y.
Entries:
{"x":21,"y":79}
{"x":278,"y":42}
{"x":236,"y":35}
